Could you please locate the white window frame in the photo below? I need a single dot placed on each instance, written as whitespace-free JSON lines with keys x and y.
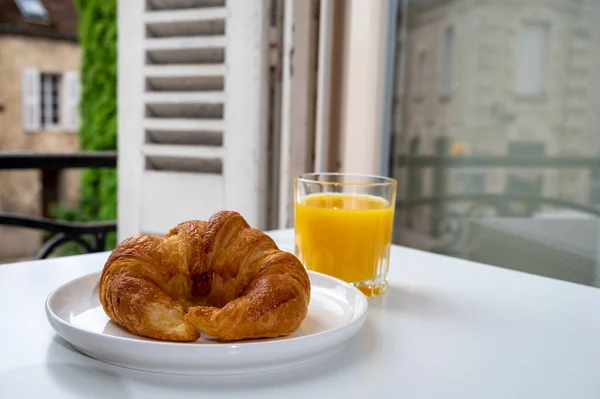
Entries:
{"x":369,"y":43}
{"x":348,"y":105}
{"x":299,"y":80}
{"x":35,"y":84}
{"x":364,"y":86}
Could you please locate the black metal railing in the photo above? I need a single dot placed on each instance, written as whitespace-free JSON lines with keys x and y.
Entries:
{"x":10,"y":160}
{"x":91,"y":236}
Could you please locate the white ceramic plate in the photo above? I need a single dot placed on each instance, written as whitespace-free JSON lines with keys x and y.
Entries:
{"x":336,"y":312}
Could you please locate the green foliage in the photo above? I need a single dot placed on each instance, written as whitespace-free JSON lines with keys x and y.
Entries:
{"x":98,"y":39}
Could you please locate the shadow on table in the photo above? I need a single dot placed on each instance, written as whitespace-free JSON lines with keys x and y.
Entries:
{"x":408,"y":301}
{"x":403,"y":298}
{"x":79,"y":379}
{"x":75,"y":377}
{"x":75,"y":380}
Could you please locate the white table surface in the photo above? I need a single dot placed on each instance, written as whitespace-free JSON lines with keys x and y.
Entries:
{"x":446,"y":329}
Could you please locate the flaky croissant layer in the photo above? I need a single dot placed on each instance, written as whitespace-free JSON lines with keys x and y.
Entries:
{"x":222,"y":277}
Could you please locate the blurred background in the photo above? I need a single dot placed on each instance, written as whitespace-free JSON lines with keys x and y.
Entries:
{"x":485,"y":111}
{"x":48,"y":49}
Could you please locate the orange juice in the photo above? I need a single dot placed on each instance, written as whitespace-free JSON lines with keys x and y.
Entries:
{"x":347,"y":236}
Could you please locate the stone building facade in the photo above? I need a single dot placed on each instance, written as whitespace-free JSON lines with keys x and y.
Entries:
{"x":39,"y":89}
{"x":500,"y":78}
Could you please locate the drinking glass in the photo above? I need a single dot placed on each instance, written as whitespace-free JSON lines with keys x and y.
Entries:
{"x":343,"y":227}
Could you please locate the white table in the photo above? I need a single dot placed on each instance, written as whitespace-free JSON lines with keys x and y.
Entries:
{"x":446,"y":329}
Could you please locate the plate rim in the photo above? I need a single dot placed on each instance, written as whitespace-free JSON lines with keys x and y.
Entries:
{"x":144,"y":340}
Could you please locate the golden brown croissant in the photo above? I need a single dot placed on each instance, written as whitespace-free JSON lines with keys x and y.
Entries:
{"x":221,"y":276}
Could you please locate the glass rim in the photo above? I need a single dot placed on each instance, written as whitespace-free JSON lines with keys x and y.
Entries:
{"x":311,"y":178}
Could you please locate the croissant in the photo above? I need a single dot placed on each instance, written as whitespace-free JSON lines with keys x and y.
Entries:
{"x":221,"y":276}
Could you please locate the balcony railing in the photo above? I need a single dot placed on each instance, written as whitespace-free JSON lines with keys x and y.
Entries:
{"x":442,"y":164}
{"x":90,"y":236}
{"x":439,"y":198}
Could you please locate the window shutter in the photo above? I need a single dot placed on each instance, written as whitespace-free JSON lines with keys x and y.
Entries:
{"x":71,"y":97}
{"x":30,"y":92}
{"x":192,"y":112}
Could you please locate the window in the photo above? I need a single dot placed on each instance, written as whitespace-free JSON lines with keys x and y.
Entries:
{"x":50,"y":100}
{"x":524,"y":98}
{"x":447,"y":60}
{"x":531,"y":59}
{"x":33,"y":11}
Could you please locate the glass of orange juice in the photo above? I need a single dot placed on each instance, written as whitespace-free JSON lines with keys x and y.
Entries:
{"x":343,"y":227}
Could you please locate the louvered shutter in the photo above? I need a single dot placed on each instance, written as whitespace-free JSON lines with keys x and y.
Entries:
{"x":71,"y":96}
{"x":30,"y":92}
{"x":192,"y":112}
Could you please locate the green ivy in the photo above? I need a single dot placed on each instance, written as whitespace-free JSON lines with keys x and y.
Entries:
{"x":98,"y":40}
